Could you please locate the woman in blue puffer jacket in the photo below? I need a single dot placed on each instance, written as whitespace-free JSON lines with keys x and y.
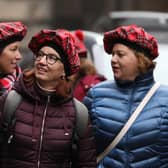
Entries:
{"x":111,"y":103}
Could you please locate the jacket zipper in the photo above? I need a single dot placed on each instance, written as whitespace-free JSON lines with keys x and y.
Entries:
{"x":42,"y":131}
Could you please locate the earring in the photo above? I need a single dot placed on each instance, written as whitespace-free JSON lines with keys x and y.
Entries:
{"x":62,"y":77}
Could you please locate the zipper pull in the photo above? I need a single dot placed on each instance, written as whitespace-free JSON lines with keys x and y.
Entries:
{"x":10,"y":139}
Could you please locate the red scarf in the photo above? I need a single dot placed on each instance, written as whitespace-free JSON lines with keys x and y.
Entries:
{"x":7,"y":81}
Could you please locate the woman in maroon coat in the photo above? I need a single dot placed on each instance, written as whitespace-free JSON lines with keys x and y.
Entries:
{"x":87,"y":76}
{"x":45,"y":118}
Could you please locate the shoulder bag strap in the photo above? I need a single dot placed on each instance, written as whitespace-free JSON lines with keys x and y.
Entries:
{"x":130,"y":121}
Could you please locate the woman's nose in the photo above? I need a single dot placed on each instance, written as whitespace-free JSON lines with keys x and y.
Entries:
{"x":43,"y":59}
{"x":18,"y":55}
{"x":114,"y":58}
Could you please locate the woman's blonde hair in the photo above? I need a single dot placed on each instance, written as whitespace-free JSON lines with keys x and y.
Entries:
{"x":145,"y":63}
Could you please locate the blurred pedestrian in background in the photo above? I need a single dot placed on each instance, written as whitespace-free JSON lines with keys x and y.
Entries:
{"x":111,"y":103}
{"x":11,"y":34}
{"x":87,"y":76}
{"x":45,"y":119}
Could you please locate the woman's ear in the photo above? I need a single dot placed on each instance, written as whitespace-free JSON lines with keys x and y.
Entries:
{"x":62,"y":77}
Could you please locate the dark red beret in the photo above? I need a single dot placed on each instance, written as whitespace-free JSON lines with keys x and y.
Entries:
{"x":134,"y":35}
{"x":60,"y":38}
{"x":11,"y":32}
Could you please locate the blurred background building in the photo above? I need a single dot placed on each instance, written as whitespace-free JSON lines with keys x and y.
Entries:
{"x":69,"y":14}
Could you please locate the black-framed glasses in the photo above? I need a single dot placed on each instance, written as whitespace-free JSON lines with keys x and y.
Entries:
{"x":50,"y":58}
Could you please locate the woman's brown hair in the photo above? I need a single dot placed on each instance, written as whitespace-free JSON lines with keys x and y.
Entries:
{"x":145,"y":63}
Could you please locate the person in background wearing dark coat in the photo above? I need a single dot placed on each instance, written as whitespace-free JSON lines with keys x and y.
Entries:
{"x":45,"y":119}
{"x":111,"y":103}
{"x":87,"y":76}
{"x":11,"y":34}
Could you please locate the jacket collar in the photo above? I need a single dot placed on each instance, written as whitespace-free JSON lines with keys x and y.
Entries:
{"x":141,"y":80}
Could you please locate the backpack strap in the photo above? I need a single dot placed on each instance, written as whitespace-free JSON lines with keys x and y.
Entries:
{"x":79,"y":130}
{"x":81,"y":117}
{"x":12,"y":101}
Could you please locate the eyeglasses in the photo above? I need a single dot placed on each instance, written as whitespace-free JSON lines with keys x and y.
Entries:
{"x":50,"y":58}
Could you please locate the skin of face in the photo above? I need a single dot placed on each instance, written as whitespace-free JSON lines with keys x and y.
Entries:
{"x":124,"y":62}
{"x":48,"y":75}
{"x":10,"y":57}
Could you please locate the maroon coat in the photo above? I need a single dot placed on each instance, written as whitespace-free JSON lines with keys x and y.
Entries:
{"x":85,"y":83}
{"x":43,"y":133}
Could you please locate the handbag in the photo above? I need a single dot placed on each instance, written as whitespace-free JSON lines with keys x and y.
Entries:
{"x":130,"y":121}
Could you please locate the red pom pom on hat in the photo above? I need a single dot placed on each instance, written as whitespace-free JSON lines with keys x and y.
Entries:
{"x":79,"y":34}
{"x":79,"y":42}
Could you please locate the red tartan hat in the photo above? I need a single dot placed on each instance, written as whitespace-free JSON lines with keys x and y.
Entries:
{"x":10,"y":32}
{"x":60,"y":39}
{"x":134,"y":36}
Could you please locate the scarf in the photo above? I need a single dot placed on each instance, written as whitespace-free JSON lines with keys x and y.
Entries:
{"x":7,"y":81}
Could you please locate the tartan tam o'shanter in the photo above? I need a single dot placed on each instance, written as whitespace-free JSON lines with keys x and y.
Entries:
{"x":12,"y":30}
{"x":134,"y":36}
{"x":61,"y":39}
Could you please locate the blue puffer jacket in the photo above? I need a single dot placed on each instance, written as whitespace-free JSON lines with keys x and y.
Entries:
{"x":145,"y":145}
